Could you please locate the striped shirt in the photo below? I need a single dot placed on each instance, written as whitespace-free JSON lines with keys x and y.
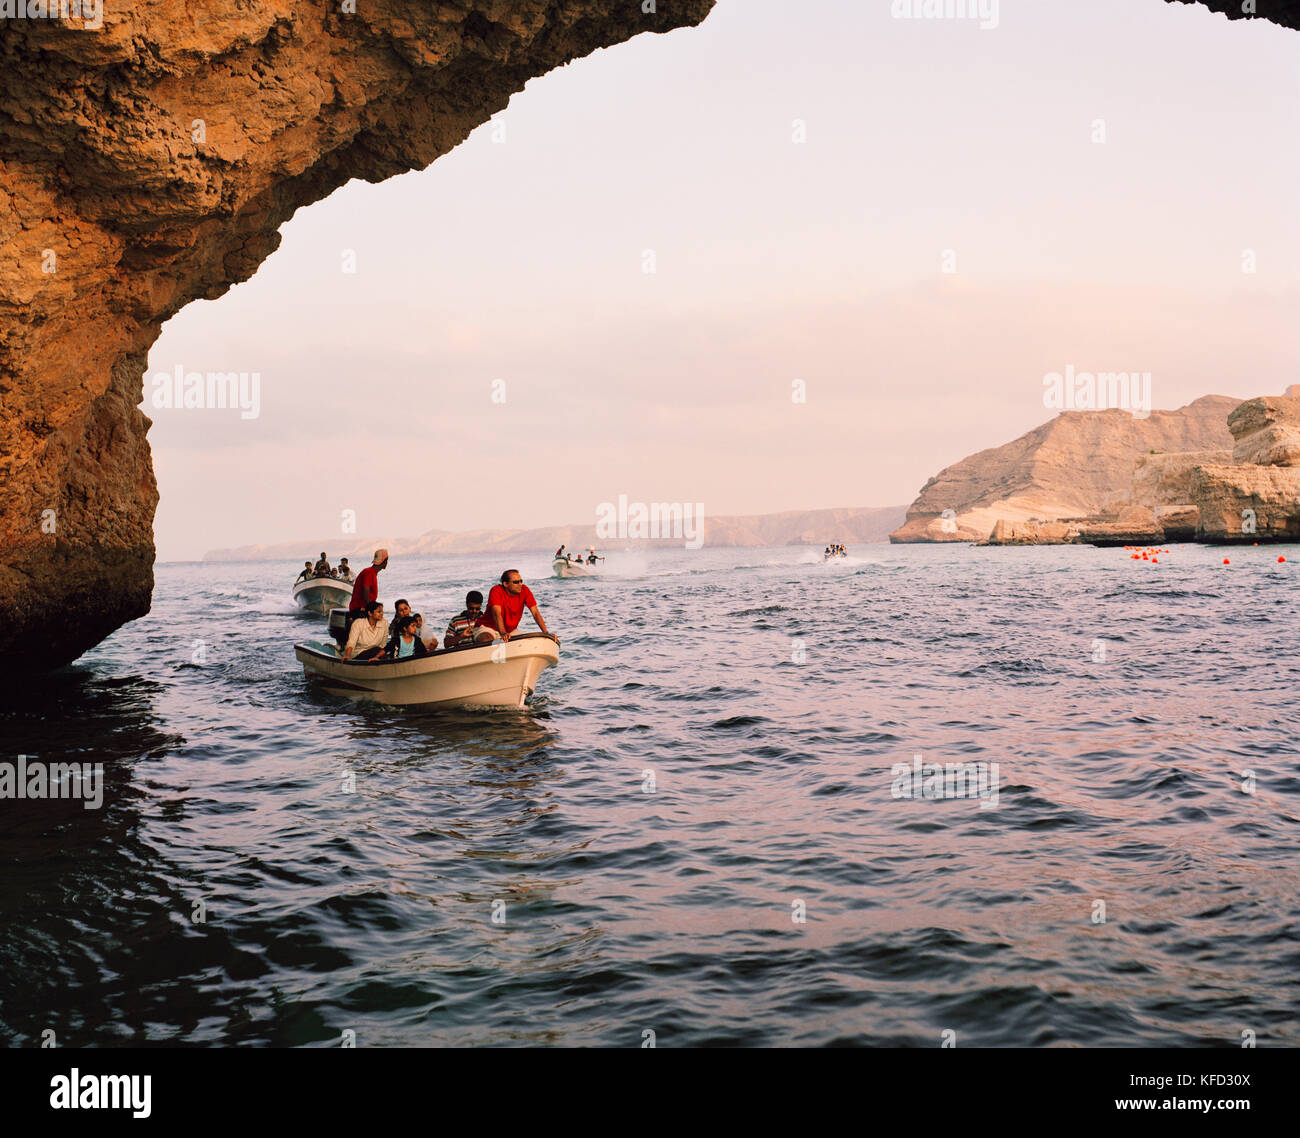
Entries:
{"x":462,"y":622}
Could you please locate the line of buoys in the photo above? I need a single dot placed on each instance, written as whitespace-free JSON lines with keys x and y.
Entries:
{"x":1146,"y":553}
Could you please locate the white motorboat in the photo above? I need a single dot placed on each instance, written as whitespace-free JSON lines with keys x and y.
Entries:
{"x":562,"y":568}
{"x":502,"y":674}
{"x":320,"y":594}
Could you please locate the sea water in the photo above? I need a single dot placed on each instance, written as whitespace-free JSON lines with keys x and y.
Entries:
{"x":695,"y":834}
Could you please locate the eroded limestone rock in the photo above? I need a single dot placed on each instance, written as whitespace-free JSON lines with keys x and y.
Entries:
{"x":1266,"y":431}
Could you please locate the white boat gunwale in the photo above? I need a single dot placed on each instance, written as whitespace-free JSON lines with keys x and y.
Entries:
{"x":439,"y":653}
{"x":466,"y":675}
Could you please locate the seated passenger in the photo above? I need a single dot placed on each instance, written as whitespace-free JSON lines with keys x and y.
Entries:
{"x":345,"y":573}
{"x":305,"y":574}
{"x":323,"y":566}
{"x":401,"y":608}
{"x":462,"y":626}
{"x":367,"y":637}
{"x":405,"y":644}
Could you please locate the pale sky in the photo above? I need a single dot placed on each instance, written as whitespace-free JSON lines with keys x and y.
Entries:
{"x":775,"y":260}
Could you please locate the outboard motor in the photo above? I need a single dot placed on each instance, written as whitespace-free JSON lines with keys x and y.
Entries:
{"x":339,"y":627}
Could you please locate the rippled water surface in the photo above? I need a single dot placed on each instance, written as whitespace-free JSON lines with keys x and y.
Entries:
{"x":711,"y":760}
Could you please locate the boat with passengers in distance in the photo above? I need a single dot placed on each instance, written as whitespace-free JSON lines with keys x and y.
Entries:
{"x":576,"y":565}
{"x":320,"y":594}
{"x":562,"y":568}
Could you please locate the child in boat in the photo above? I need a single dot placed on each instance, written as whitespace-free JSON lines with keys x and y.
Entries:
{"x":461,"y":628}
{"x":405,"y":644}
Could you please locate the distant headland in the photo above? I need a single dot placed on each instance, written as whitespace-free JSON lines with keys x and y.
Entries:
{"x":849,"y":526}
{"x":1217,"y":470}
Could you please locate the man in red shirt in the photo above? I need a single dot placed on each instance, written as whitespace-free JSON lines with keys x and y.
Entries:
{"x":366,"y":587}
{"x":505,"y":608}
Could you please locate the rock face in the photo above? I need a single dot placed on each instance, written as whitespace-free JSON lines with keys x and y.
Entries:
{"x":1233,"y":499}
{"x":1257,"y":497}
{"x":1033,"y":533}
{"x":1073,"y":466}
{"x":1136,"y":525}
{"x":1266,"y":431}
{"x":150,"y":162}
{"x":1250,"y":493}
{"x":1178,"y":523}
{"x":1161,"y":480}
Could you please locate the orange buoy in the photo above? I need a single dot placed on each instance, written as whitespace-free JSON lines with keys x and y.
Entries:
{"x":1226,"y":561}
{"x":1133,"y":557}
{"x":1280,"y":560}
{"x":1155,"y":561}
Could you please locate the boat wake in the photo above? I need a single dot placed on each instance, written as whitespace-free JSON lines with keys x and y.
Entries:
{"x":836,"y":564}
{"x":271,"y":604}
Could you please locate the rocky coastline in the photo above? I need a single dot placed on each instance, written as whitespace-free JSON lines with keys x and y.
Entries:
{"x":1248,"y":492}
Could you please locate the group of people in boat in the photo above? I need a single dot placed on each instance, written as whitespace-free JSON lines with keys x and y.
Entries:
{"x":372,"y":637}
{"x":577,"y":559}
{"x":836,"y":551}
{"x":322,"y":568}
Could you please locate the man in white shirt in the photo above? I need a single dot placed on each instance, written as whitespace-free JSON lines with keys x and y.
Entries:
{"x":368,"y":636}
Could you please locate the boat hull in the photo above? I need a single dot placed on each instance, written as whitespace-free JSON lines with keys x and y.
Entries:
{"x":320,"y":594}
{"x":562,"y":568}
{"x":489,"y":675}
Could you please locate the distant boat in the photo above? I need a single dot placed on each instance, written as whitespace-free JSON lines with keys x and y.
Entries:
{"x":320,"y":594}
{"x":481,"y":675}
{"x":562,"y":568}
{"x":834,"y":553}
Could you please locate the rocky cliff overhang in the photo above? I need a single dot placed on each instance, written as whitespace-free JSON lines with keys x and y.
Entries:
{"x":1284,"y":12}
{"x":151,"y":161}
